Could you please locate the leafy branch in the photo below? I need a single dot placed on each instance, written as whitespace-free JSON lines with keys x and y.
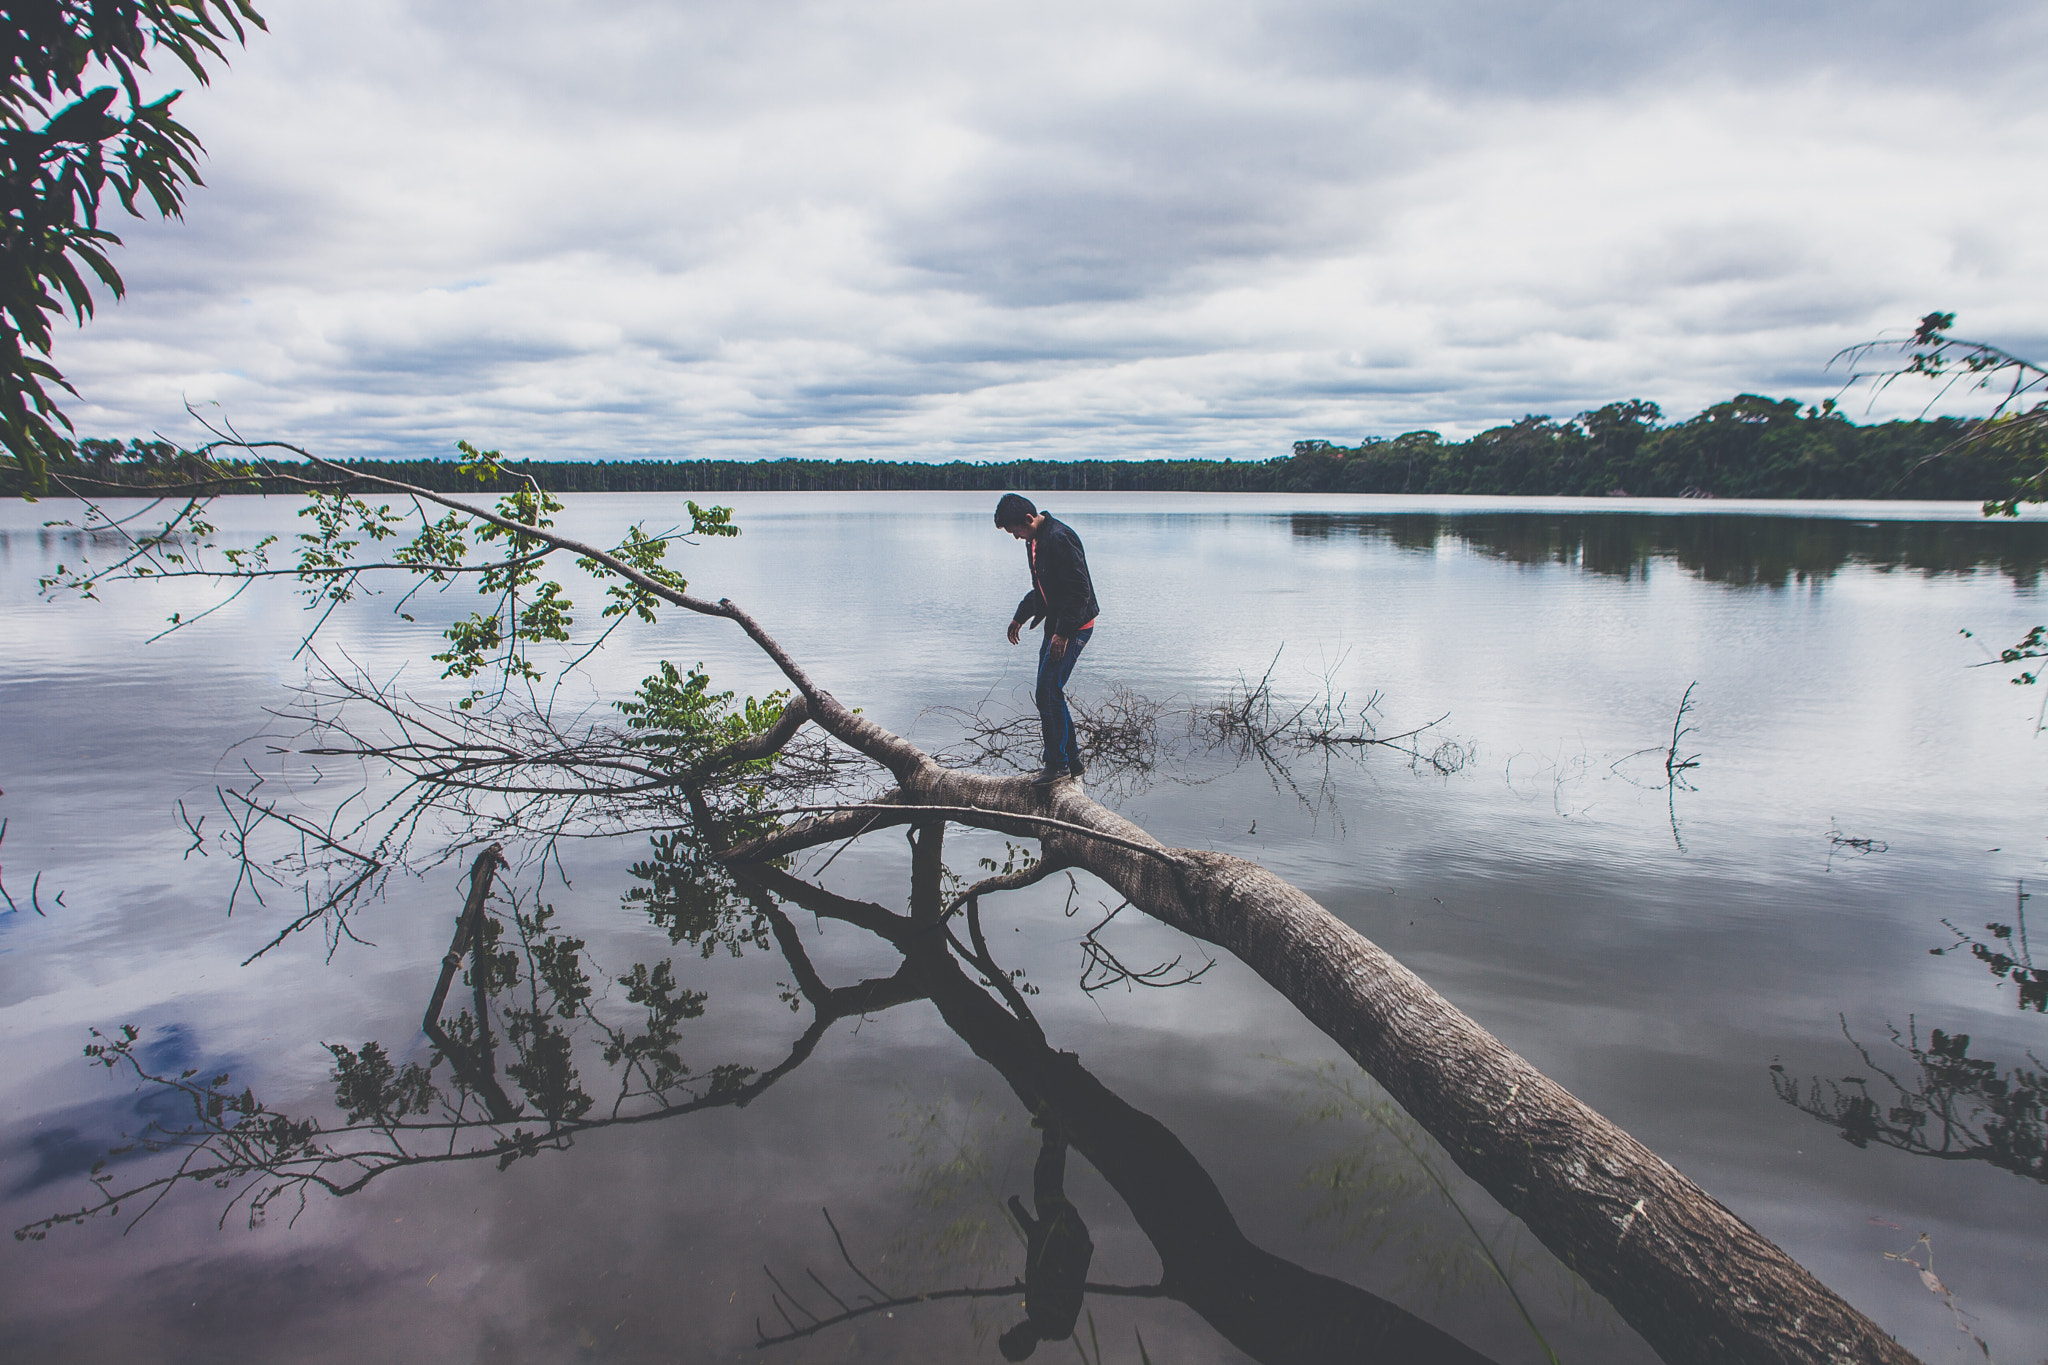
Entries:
{"x":173,"y":538}
{"x":2014,"y":432}
{"x":60,"y":162}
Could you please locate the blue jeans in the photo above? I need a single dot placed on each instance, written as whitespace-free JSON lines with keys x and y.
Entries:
{"x":1058,"y":722}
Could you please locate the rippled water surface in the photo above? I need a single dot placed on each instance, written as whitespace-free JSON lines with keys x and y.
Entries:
{"x":1702,"y":953}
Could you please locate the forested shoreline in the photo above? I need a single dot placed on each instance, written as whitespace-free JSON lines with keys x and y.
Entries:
{"x":1748,"y":447}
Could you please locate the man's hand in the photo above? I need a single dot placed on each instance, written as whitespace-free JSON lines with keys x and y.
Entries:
{"x":1056,"y":647}
{"x":1013,"y":632}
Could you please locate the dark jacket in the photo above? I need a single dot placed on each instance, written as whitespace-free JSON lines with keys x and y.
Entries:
{"x":1060,"y":587}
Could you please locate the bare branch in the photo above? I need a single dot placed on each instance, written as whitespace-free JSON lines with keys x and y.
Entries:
{"x":1006,"y":881}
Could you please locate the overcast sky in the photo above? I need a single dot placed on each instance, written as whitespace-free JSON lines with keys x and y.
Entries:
{"x":930,"y":229}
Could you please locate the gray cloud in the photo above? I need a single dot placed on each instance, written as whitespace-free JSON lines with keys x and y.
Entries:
{"x":1123,"y":228}
{"x":1548,"y":50}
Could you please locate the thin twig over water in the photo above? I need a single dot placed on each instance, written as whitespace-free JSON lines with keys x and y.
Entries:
{"x":1675,"y":767}
{"x":1102,"y":968}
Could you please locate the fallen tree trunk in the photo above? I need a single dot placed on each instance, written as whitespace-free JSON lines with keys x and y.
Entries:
{"x":1696,"y":1281}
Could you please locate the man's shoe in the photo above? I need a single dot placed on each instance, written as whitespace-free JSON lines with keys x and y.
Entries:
{"x":1047,"y":775}
{"x":1075,"y":770}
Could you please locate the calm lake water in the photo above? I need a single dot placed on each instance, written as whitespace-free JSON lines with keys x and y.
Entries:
{"x":1705,"y":961}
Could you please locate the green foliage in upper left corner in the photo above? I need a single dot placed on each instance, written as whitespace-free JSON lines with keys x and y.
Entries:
{"x":63,"y":149}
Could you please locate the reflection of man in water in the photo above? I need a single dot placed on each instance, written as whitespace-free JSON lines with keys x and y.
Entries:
{"x":1056,"y":1251}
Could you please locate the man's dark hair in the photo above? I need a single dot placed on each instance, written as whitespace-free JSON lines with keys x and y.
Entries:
{"x":1014,"y":510}
{"x":1020,"y":1341}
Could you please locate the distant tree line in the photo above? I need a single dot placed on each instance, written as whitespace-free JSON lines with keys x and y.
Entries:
{"x":1748,"y":447}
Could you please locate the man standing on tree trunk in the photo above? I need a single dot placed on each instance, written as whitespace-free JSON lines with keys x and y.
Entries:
{"x":1063,"y":595}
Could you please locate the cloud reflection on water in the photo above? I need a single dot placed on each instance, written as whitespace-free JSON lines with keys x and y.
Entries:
{"x":1657,"y":985}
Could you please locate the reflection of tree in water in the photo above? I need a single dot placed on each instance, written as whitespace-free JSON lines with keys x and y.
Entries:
{"x":505,"y":1080}
{"x":1940,"y":1101}
{"x":1268,"y":1307}
{"x":1950,"y":1105}
{"x":529,"y":987}
{"x":2009,"y":956}
{"x":1742,"y":551}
